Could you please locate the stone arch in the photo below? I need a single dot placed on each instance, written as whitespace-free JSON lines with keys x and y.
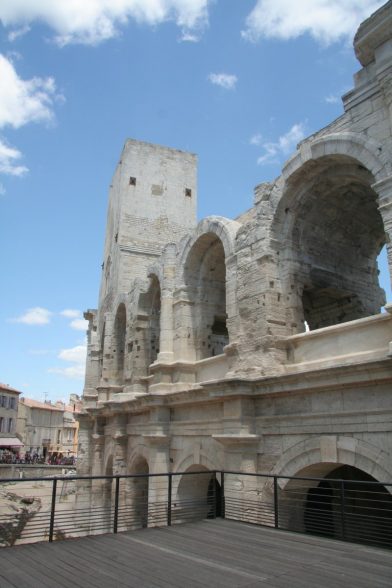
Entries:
{"x":366,"y":151}
{"x":330,"y":451}
{"x":186,"y":460}
{"x":196,"y":494}
{"x":137,"y":490}
{"x":109,"y":463}
{"x":330,"y":231}
{"x":203,"y":315}
{"x":108,"y":488}
{"x":140,"y":453}
{"x":144,"y":340}
{"x":223,"y":228}
{"x":316,"y":501}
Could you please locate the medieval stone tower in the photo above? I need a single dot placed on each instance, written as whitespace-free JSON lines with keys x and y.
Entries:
{"x":198,"y":354}
{"x":152,"y":203}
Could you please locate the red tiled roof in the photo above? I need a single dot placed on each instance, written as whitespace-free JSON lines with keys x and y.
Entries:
{"x":47,"y":406}
{"x":36,"y":404}
{"x":7,"y":388}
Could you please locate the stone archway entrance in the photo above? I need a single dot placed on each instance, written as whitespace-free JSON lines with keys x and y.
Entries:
{"x":198,"y":495}
{"x":346,"y":503}
{"x":334,"y":233}
{"x":136,"y":512}
{"x":205,"y":278}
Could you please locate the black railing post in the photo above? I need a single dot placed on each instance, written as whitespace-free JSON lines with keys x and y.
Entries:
{"x":222,"y":500}
{"x":53,"y":509}
{"x":116,"y":497}
{"x":169,"y":499}
{"x":276,"y":503}
{"x":342,"y":509}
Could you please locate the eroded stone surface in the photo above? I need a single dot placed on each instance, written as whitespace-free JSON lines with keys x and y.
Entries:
{"x":254,"y":344}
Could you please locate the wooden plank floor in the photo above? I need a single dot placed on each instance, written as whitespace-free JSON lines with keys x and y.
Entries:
{"x":209,"y":553}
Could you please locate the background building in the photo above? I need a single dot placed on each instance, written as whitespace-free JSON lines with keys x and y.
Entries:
{"x":9,"y":442}
{"x":49,"y":431}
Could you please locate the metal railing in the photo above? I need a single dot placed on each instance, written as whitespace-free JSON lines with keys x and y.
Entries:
{"x":54,"y":508}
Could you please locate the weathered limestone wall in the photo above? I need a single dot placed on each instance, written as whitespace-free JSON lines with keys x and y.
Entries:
{"x":200,"y":354}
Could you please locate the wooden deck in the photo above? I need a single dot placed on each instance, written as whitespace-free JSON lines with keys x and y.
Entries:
{"x":209,"y":553}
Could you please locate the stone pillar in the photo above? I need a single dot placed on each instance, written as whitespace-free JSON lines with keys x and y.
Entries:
{"x":84,"y":444}
{"x":107,"y":354}
{"x":83,"y":496}
{"x":166,"y":334}
{"x":242,"y":493}
{"x":120,"y":438}
{"x":93,"y":371}
{"x":159,"y":463}
{"x":184,"y":343}
{"x":167,"y":286}
{"x":384,"y":191}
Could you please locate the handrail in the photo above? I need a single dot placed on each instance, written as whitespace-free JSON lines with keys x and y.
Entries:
{"x":57,"y":507}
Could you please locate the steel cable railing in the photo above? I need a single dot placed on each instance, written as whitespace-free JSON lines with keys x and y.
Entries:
{"x":50,"y":509}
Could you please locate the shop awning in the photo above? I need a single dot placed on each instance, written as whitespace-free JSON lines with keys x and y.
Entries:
{"x":10,"y":442}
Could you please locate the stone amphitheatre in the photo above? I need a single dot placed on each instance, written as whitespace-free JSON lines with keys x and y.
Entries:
{"x":260,"y":344}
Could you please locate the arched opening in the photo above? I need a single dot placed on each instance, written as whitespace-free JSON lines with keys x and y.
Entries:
{"x":335,"y":234}
{"x":154,"y":323}
{"x":135,"y":514}
{"x":198,"y":495}
{"x":346,"y":503}
{"x":144,"y":341}
{"x":120,"y":326}
{"x":205,"y":277}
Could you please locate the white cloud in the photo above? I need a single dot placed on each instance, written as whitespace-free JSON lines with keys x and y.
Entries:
{"x":326,"y":21}
{"x":39,"y":352}
{"x":24,"y":101}
{"x":8,"y":158}
{"x":70,"y":313}
{"x":283,"y":146}
{"x":34,"y":316}
{"x":16,"y":33}
{"x":77,"y":357}
{"x":256,"y":139}
{"x":21,"y":102}
{"x":331,"y":99}
{"x":189,"y":37}
{"x":227,"y":81}
{"x":75,"y":354}
{"x":93,"y":21}
{"x":79,"y":324}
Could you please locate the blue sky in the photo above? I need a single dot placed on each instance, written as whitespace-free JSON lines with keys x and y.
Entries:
{"x":237,"y":82}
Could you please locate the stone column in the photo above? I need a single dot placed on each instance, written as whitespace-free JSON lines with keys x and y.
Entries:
{"x":120,"y":438}
{"x":93,"y":371}
{"x":159,"y":463}
{"x":107,"y":376}
{"x":242,"y":492}
{"x":167,"y":324}
{"x":166,"y":354}
{"x":83,"y":498}
{"x":184,"y":343}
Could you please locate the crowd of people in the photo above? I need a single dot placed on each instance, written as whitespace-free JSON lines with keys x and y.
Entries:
{"x":8,"y":456}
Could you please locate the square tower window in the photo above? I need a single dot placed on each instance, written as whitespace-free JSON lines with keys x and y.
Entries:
{"x":188,"y":192}
{"x":132,"y":181}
